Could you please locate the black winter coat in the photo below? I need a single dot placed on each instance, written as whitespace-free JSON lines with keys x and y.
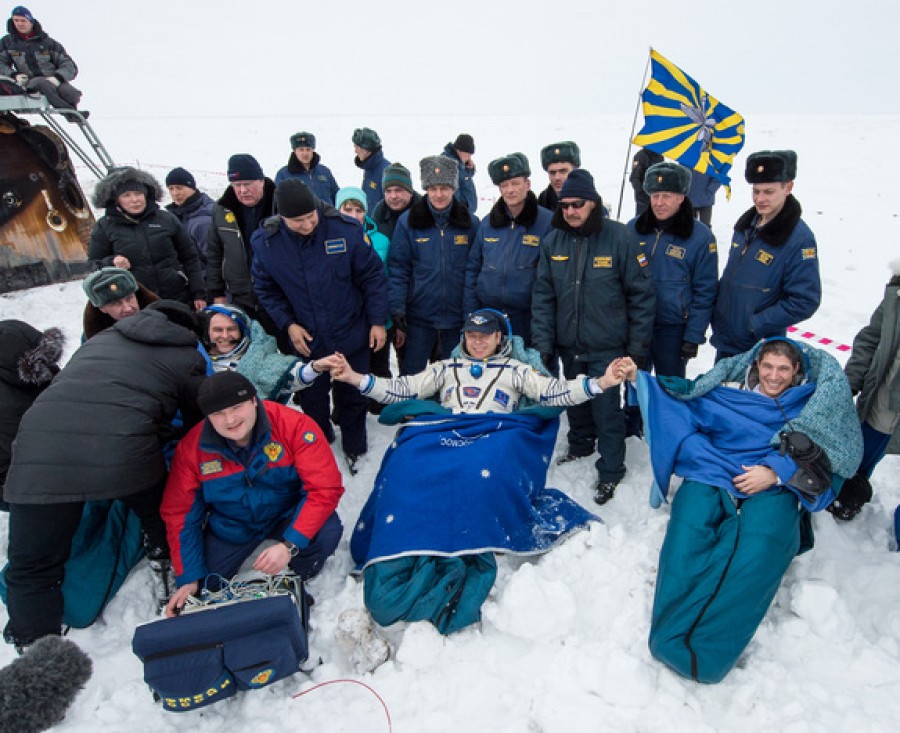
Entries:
{"x":95,"y":432}
{"x":163,"y":257}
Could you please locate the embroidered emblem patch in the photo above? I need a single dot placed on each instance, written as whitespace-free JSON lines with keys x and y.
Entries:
{"x":273,"y":451}
{"x":809,"y":253}
{"x":309,"y":438}
{"x":422,"y":240}
{"x":531,"y":240}
{"x":471,"y":392}
{"x":335,"y":246}
{"x":501,"y":398}
{"x":230,"y":218}
{"x":605,"y":262}
{"x":559,"y":258}
{"x":712,"y":247}
{"x":373,"y":185}
{"x":764,"y":257}
{"x":673,"y":250}
{"x":461,"y":239}
{"x":492,"y":239}
{"x":261,"y":678}
{"x":208,"y":467}
{"x":642,"y":259}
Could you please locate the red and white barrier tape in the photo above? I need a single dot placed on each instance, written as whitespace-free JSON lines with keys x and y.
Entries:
{"x":819,"y":340}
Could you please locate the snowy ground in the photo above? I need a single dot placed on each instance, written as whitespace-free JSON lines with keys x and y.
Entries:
{"x":562,"y":646}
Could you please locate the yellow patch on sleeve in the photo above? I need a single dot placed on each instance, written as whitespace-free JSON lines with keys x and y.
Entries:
{"x":642,"y":259}
{"x":808,"y":253}
{"x":712,"y":247}
{"x":229,"y":217}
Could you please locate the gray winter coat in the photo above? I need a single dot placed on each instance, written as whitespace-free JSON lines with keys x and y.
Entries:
{"x":874,"y":350}
{"x":37,"y":56}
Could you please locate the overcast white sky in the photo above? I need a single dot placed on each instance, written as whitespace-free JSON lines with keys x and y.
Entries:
{"x":470,"y":57}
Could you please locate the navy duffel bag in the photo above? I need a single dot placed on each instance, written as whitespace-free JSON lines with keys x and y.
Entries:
{"x":200,"y":658}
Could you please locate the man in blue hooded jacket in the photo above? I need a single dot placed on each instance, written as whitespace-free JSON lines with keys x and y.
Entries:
{"x":369,"y":157}
{"x":325,"y":286}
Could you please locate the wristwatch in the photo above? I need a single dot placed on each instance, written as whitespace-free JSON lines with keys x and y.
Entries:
{"x":292,"y":548}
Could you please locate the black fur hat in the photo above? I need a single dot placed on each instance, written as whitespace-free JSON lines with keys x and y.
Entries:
{"x":123,"y":179}
{"x":667,"y":176}
{"x":771,"y":166}
{"x":29,"y":356}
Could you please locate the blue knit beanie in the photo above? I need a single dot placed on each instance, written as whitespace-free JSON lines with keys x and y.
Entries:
{"x":579,"y":185}
{"x":244,"y":167}
{"x":180,"y":177}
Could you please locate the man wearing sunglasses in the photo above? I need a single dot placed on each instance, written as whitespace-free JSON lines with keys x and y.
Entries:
{"x":593,"y":301}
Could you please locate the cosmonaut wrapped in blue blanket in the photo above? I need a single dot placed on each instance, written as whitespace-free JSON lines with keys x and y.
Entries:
{"x":451,"y":491}
{"x":736,"y":522}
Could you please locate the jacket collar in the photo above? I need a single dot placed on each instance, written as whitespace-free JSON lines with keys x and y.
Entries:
{"x":777,"y":231}
{"x":500,"y":217}
{"x":420,"y":216}
{"x":681,"y":225}
{"x":593,"y":225}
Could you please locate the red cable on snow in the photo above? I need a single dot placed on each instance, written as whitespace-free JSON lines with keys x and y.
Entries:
{"x":355,"y":682}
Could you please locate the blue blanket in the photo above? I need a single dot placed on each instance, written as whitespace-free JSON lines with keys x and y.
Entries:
{"x":705,"y":431}
{"x":453,"y":485}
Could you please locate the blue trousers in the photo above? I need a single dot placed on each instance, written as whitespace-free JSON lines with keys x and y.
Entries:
{"x":420,"y":341}
{"x":226,"y":559}
{"x":665,"y":351}
{"x":875,"y":444}
{"x":350,"y":406}
{"x":599,"y":419}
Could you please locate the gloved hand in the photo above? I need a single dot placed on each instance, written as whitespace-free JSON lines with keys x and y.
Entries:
{"x":400,"y":322}
{"x":689,"y":350}
{"x":21,"y":79}
{"x":549,"y":362}
{"x":640,"y":361}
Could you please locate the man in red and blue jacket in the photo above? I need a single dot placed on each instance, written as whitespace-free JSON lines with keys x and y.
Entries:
{"x":251,"y":471}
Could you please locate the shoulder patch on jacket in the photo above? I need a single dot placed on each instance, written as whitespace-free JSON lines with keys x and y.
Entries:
{"x":210,"y":467}
{"x":712,"y":247}
{"x":673,"y":250}
{"x":373,"y":185}
{"x":764,"y":257}
{"x":335,"y":246}
{"x":531,"y":240}
{"x":604,"y":262}
{"x":808,"y":253}
{"x":642,"y":259}
{"x":273,"y":451}
{"x":309,"y":437}
{"x":230,"y":218}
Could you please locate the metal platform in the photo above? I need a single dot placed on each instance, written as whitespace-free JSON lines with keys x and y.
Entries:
{"x":100,"y":163}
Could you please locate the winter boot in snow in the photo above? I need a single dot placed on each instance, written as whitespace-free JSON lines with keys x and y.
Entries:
{"x":855,"y":493}
{"x":163,"y":574}
{"x":604,"y":491}
{"x":356,"y":635}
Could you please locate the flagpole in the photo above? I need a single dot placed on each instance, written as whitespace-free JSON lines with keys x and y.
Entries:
{"x":631,"y":136}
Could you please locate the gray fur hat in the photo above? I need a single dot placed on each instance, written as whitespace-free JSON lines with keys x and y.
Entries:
{"x":366,"y":138}
{"x":439,"y":170}
{"x":108,"y":190}
{"x":771,"y":166}
{"x":669,"y":177}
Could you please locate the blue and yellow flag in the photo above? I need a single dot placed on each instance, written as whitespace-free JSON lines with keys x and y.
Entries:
{"x":684,"y":123}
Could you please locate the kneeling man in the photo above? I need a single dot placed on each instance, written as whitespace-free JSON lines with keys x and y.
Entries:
{"x":251,"y":471}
